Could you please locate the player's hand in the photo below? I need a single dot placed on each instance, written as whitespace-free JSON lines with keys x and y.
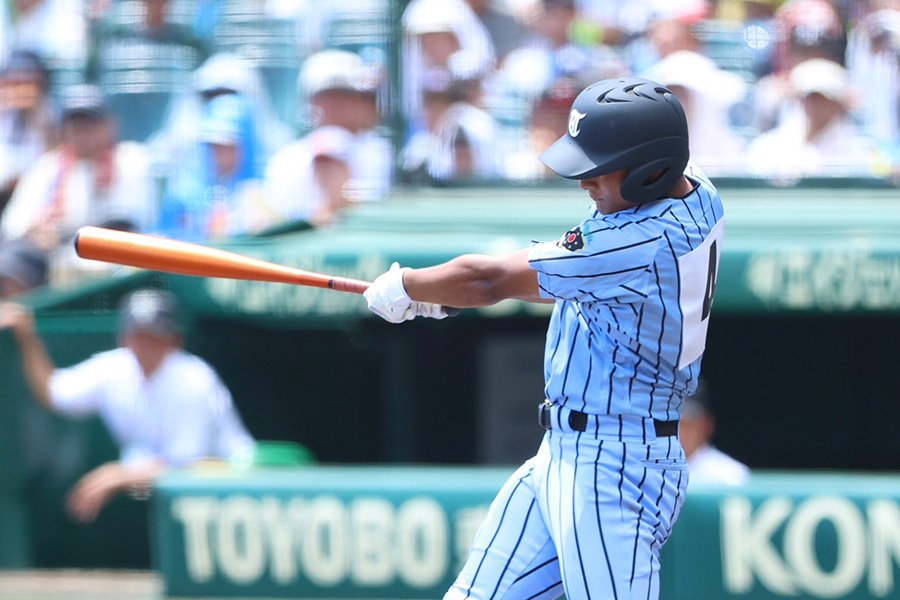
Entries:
{"x":94,"y":491}
{"x":17,"y":318}
{"x":387,"y":297}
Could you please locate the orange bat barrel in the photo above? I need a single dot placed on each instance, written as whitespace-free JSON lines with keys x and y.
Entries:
{"x":172,"y":256}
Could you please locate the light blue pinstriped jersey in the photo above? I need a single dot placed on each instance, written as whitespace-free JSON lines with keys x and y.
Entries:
{"x":632,"y":304}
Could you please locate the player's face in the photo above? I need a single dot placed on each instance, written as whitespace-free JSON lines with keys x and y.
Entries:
{"x":606,"y":191}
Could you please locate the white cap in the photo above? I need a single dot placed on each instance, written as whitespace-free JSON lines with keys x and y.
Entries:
{"x":333,"y":70}
{"x":332,"y":141}
{"x":433,"y":17}
{"x":225,"y":71}
{"x":698,"y":74}
{"x":822,"y":76}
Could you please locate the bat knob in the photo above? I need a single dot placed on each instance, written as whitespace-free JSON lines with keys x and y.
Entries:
{"x":450,"y":311}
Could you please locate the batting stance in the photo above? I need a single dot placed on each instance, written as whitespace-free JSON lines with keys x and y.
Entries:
{"x":632,"y":287}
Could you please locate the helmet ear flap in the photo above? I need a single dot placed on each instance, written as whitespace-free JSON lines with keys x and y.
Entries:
{"x":645,"y":183}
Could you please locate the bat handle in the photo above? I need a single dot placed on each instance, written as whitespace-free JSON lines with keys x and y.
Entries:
{"x":354,"y":286}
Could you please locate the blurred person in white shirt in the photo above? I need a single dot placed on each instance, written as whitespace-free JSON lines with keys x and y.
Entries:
{"x":162,"y":405}
{"x":437,"y":32}
{"x":56,"y":29}
{"x":89,"y":179}
{"x":707,"y":94}
{"x":345,"y":158}
{"x":873,"y":62}
{"x":460,"y":140}
{"x":826,"y":141}
{"x":221,"y":74}
{"x":706,"y":463}
{"x":803,"y":30}
{"x":29,"y":120}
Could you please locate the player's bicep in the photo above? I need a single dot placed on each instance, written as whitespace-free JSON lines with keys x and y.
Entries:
{"x":520,"y":281}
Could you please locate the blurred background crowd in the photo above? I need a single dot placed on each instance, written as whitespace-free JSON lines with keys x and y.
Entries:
{"x":203,"y":119}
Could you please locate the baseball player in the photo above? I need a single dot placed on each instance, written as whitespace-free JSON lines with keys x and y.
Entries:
{"x":162,"y":405}
{"x":632,"y":286}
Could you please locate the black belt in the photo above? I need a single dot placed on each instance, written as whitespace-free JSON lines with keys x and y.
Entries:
{"x":578,"y":421}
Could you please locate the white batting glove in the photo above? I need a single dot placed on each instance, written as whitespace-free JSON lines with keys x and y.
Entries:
{"x":387,"y":297}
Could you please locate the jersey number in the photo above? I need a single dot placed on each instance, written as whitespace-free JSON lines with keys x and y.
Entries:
{"x":699,"y":270}
{"x":711,"y":276}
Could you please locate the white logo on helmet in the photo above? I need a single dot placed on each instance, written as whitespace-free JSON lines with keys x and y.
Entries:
{"x":575,"y":118}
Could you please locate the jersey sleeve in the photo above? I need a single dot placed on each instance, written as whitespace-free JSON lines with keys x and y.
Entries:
{"x":595,"y":262}
{"x":77,"y":391}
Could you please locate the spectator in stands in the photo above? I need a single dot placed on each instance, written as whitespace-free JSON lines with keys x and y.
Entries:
{"x":90,"y":179}
{"x":141,"y":59}
{"x":656,"y":28}
{"x":706,"y":463}
{"x":548,"y":122}
{"x":29,"y":123}
{"x":827,"y":142}
{"x":163,"y":406}
{"x":549,"y":52}
{"x":758,"y":32}
{"x":22,"y":268}
{"x":344,"y":159}
{"x":222,"y":74}
{"x":804,"y":29}
{"x":707,"y":94}
{"x":606,"y":19}
{"x":311,"y":178}
{"x":217,"y":193}
{"x":150,"y":42}
{"x":460,"y":140}
{"x":436,"y":32}
{"x":506,"y":32}
{"x":55,"y":29}
{"x":873,"y":62}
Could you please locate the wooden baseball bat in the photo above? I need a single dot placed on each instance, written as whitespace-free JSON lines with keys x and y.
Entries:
{"x":172,"y":256}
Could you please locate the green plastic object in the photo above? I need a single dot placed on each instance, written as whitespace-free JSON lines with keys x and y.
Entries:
{"x":275,"y":453}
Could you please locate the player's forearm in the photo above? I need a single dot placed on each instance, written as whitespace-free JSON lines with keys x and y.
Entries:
{"x":37,"y":367}
{"x":474,"y":280}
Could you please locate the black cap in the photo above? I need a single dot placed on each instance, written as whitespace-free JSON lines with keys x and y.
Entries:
{"x":24,"y":263}
{"x":83,"y":100}
{"x":149,"y":311}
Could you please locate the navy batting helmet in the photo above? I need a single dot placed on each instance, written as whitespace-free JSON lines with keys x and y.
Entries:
{"x":626,"y":123}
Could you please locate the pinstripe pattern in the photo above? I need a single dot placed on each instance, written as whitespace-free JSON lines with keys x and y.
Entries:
{"x":618,"y":297}
{"x":589,"y":514}
{"x":586,"y":516}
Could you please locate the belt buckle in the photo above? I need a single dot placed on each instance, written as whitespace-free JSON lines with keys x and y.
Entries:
{"x":544,"y":414}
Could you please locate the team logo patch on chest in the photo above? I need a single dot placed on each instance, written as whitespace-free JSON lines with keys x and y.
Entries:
{"x":572,"y":240}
